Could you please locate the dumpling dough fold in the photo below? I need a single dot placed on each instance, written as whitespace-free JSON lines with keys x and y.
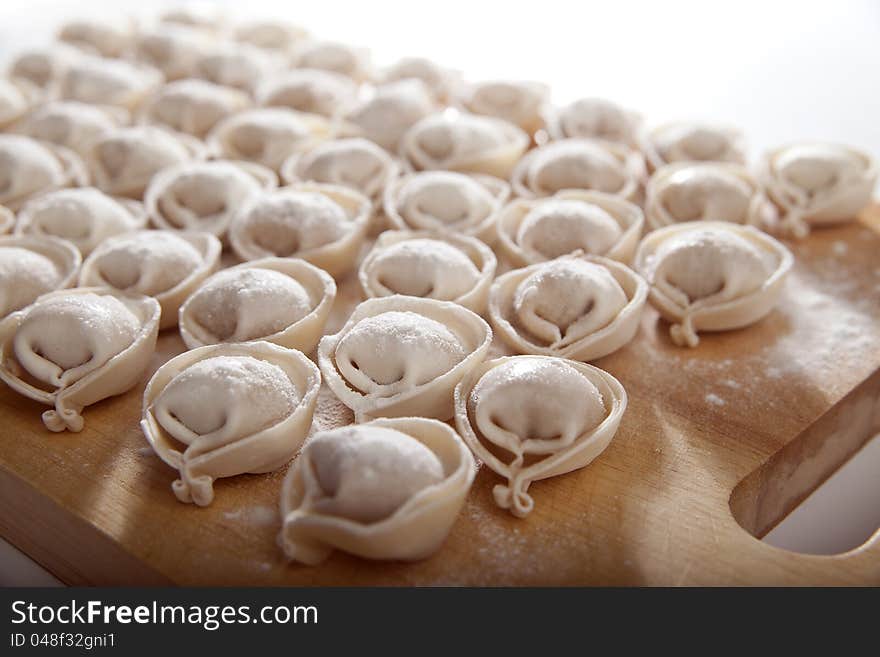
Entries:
{"x":534,"y":417}
{"x":388,"y":489}
{"x":224,"y":410}
{"x":710,"y":275}
{"x":72,"y":348}
{"x":400,"y":356}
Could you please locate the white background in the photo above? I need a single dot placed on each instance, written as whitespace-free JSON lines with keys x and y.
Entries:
{"x":781,"y":70}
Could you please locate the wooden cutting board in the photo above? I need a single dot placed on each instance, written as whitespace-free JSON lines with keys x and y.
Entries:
{"x":718,"y":444}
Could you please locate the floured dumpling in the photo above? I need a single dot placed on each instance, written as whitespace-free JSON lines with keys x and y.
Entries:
{"x":392,"y":110}
{"x":237,"y":66}
{"x":43,"y":66}
{"x":85,"y":217}
{"x":520,"y":102}
{"x":33,"y":266}
{"x":323,"y":224}
{"x":225,"y":410}
{"x":204,"y":196}
{"x":440,"y":81}
{"x":578,"y":307}
{"x":164,"y":265}
{"x":194,"y":106}
{"x":105,"y":36}
{"x":446,"y":201}
{"x":281,"y":300}
{"x":71,"y":124}
{"x":716,"y":191}
{"x":595,"y":118}
{"x":29,"y":167}
{"x":272,"y":35}
{"x":388,"y":489}
{"x":334,"y":56}
{"x":312,"y":91}
{"x":174,"y":50}
{"x":431,"y":265}
{"x":464,"y":142}
{"x":267,"y":135}
{"x":693,"y":142}
{"x":714,"y":276}
{"x":818,"y":184}
{"x":532,"y":231}
{"x":16,"y":98}
{"x":198,"y":15}
{"x":356,"y":163}
{"x":558,"y":413}
{"x":400,"y":356}
{"x":123,"y":161}
{"x":78,"y":347}
{"x":579,"y":164}
{"x":108,"y":82}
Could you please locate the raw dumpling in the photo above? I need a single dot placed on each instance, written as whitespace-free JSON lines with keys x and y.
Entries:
{"x":85,"y":216}
{"x":464,"y":142}
{"x":204,"y":196}
{"x":392,"y":110}
{"x":356,"y":163}
{"x":521,"y":102}
{"x":712,"y":276}
{"x":586,"y":164}
{"x":577,"y":307}
{"x":224,"y":410}
{"x":431,"y":265}
{"x":818,"y":184}
{"x":334,"y":56}
{"x":174,"y":50}
{"x":323,"y":224}
{"x":235,"y":65}
{"x":72,"y":124}
{"x":388,"y":489}
{"x":16,"y":98}
{"x":308,"y":90}
{"x":160,"y":264}
{"x":595,"y":118}
{"x":123,"y":161}
{"x":33,"y":266}
{"x":43,"y":67}
{"x":205,"y":17}
{"x":399,"y":356}
{"x":72,"y":348}
{"x":282,"y":300}
{"x":551,"y":415}
{"x":272,"y":35}
{"x":693,"y":142}
{"x":194,"y":106}
{"x":267,"y":135}
{"x":714,"y":191}
{"x":532,"y":231}
{"x":446,"y":201}
{"x":29,"y":167}
{"x":105,"y":36}
{"x":440,"y":81}
{"x":108,"y":82}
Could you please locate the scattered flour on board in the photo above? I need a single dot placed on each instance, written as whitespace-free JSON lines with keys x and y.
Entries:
{"x":715,"y":400}
{"x":839,"y":248}
{"x":254,"y":515}
{"x":145,"y":451}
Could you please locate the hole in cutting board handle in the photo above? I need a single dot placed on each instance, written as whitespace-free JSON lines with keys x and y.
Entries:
{"x":829,"y":450}
{"x":839,"y":516}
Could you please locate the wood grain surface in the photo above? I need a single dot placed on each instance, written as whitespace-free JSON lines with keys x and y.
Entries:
{"x":717,"y":445}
